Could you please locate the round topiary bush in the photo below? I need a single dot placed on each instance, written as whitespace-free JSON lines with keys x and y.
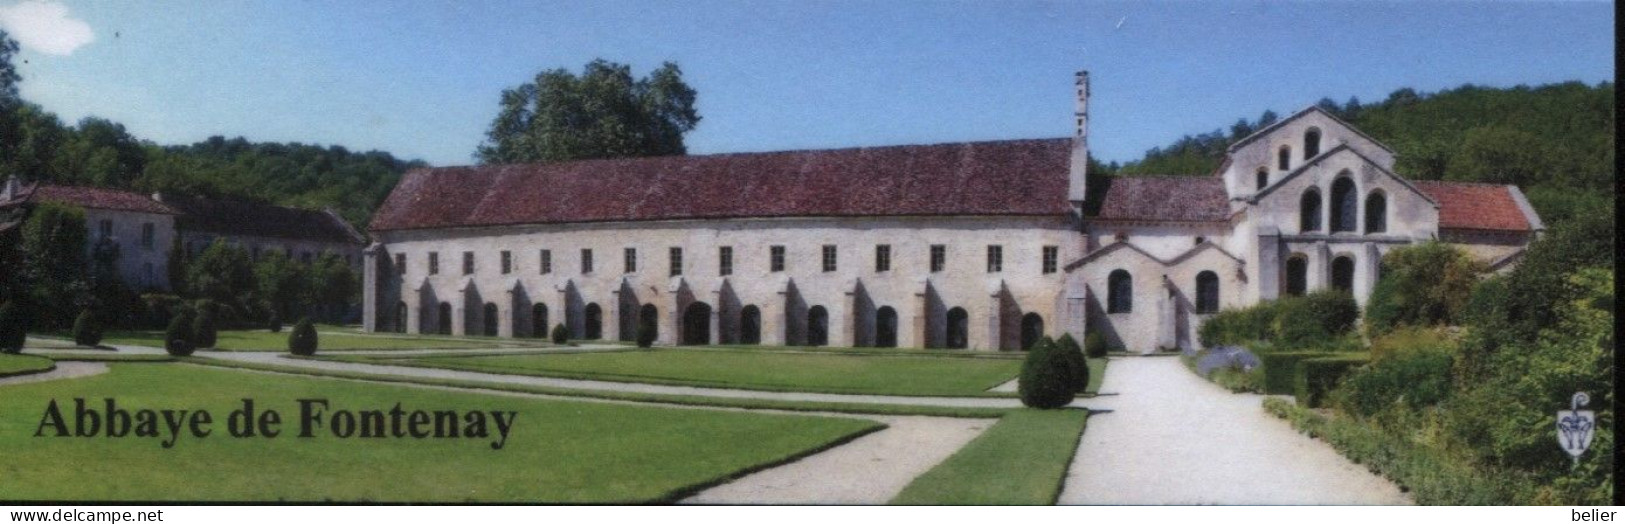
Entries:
{"x":302,"y":341}
{"x":560,"y":335}
{"x":204,"y":332}
{"x":646,"y":334}
{"x":177,"y":339}
{"x":1076,"y":363}
{"x":13,"y":328}
{"x":86,"y":332}
{"x":1045,"y":377}
{"x":1094,"y":344}
{"x":275,"y":323}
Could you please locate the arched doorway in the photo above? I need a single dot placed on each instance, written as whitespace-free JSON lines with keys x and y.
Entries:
{"x":443,"y":319}
{"x":400,"y":318}
{"x":1343,"y":273}
{"x":594,"y":322}
{"x":488,"y":319}
{"x":1032,"y":329}
{"x":750,"y":325}
{"x":886,"y":327}
{"x":958,"y":328}
{"x":649,"y":317}
{"x":697,"y":324}
{"x":538,"y":320}
{"x":817,"y":326}
{"x":1297,"y":276}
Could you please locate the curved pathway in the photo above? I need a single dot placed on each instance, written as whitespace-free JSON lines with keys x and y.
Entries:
{"x":1171,"y":437}
{"x":64,"y":370}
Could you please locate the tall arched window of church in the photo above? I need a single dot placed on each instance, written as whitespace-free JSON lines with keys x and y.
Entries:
{"x":1345,"y":204}
{"x":1311,"y":143}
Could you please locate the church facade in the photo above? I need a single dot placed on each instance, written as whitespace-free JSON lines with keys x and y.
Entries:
{"x":983,"y":245}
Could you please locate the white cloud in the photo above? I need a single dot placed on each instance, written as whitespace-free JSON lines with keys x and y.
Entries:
{"x":45,"y":27}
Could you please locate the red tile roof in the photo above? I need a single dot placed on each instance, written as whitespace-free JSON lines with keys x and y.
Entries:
{"x":1018,"y":177}
{"x":1468,"y":205}
{"x":1165,"y":199}
{"x":94,"y":198}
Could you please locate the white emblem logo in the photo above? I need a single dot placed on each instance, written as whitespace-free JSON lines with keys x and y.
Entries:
{"x":1575,"y":427}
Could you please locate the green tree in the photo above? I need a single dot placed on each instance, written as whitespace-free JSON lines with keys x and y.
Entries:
{"x":53,"y":246}
{"x":1046,"y":377}
{"x":602,"y":113}
{"x":1421,"y":285}
{"x":222,"y":272}
{"x":334,"y":284}
{"x":284,"y":283}
{"x":302,"y":341}
{"x":13,"y":327}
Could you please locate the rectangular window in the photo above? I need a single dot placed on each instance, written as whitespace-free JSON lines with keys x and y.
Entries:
{"x":586,"y":261}
{"x":434,"y":263}
{"x":631,"y":256}
{"x":776,"y":258}
{"x":148,"y":232}
{"x":507,"y":262}
{"x":468,"y":262}
{"x":939,"y":257}
{"x":725,"y":260}
{"x":546,"y":264}
{"x":400,"y":263}
{"x":107,"y":228}
{"x":1052,"y":256}
{"x":676,"y":261}
{"x":995,"y":259}
{"x":882,"y":258}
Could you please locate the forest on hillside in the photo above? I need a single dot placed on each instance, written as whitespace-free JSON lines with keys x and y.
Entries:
{"x":1555,"y":141}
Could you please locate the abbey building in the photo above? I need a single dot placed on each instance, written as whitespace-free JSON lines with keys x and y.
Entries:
{"x":982,"y":245}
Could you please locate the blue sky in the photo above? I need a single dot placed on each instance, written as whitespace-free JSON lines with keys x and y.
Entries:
{"x":421,"y":78}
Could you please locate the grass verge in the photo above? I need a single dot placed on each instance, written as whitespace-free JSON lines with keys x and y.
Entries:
{"x":682,"y":400}
{"x":12,"y":365}
{"x":1021,"y":460}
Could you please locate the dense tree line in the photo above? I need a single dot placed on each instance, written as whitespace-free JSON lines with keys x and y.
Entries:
{"x":1554,"y":141}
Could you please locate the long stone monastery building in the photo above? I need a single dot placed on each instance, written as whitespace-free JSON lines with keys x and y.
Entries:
{"x":983,"y":245}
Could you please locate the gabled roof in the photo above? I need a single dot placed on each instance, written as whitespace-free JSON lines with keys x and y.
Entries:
{"x":1328,"y":155}
{"x":1476,"y":206}
{"x":234,"y":217}
{"x":1272,"y":127}
{"x":1017,"y":177}
{"x":1164,"y":199}
{"x":91,"y":198}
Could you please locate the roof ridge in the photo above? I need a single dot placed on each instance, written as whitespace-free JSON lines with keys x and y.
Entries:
{"x":751,"y":153}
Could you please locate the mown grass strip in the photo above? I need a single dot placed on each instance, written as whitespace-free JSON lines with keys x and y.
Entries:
{"x":1021,"y":460}
{"x":681,"y":400}
{"x":17,"y":365}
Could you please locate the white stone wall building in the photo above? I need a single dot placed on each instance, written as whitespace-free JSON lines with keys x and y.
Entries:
{"x":983,"y":245}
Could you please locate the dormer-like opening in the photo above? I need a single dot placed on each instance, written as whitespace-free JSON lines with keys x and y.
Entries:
{"x":1311,"y":143}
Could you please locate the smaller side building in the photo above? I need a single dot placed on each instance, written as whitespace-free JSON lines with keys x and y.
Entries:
{"x":140,"y":227}
{"x":300,"y":234}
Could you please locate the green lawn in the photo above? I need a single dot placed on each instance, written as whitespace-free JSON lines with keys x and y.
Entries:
{"x":558,"y":451}
{"x":23,"y":364}
{"x":768,"y":371}
{"x":1020,"y":460}
{"x":262,"y":340}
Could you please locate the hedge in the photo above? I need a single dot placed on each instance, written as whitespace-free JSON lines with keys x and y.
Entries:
{"x":1317,"y":377}
{"x":1281,"y":369}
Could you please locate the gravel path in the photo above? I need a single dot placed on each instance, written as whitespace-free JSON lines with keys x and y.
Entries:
{"x":599,"y":385}
{"x":872,"y":469}
{"x":1172,"y":438}
{"x":63,"y":370}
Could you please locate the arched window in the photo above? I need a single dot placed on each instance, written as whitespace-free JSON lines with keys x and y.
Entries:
{"x":886,"y":327}
{"x":1309,"y":211}
{"x":1207,"y":292}
{"x":750,"y":325}
{"x":1297,"y":275}
{"x":697,"y":324}
{"x":817,"y":326}
{"x":958,"y":328}
{"x":1311,"y":143}
{"x":1032,"y":329}
{"x":1263,"y":177}
{"x":648,"y":317}
{"x":594,"y":325}
{"x":1376,"y":213}
{"x":443,"y":324}
{"x":538,"y":320}
{"x":488,"y":317}
{"x":1283,"y":158}
{"x":1345,"y":205}
{"x":1119,"y":292}
{"x":1343,"y":273}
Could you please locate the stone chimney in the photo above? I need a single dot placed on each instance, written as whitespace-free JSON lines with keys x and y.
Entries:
{"x":1077,"y":187}
{"x":13,"y":186}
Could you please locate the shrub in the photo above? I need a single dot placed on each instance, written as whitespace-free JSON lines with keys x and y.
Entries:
{"x":1317,"y":377}
{"x":177,"y":339}
{"x":85,"y":331}
{"x":1240,"y":326}
{"x":1412,"y":378}
{"x":560,"y":335}
{"x":1422,"y":285}
{"x":1094,"y":344}
{"x":1315,"y":318}
{"x":1076,"y":363}
{"x":275,"y":323}
{"x":161,"y":308}
{"x":1045,"y":381}
{"x":646,"y":332}
{"x":302,"y":341}
{"x":13,"y":328}
{"x":1281,"y":369}
{"x":204,"y":331}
